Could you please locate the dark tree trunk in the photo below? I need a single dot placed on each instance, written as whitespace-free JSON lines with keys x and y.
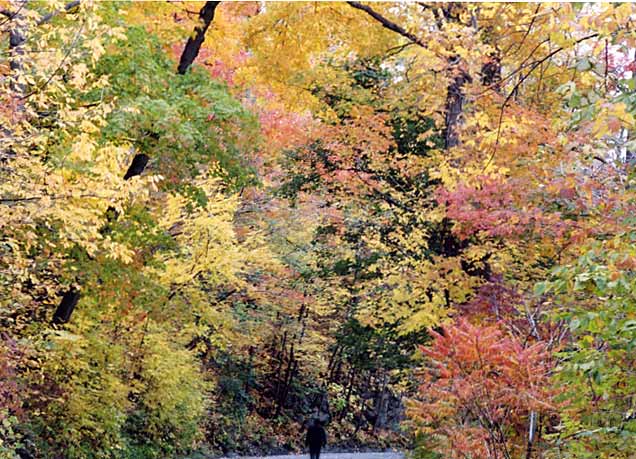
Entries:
{"x":288,"y":384}
{"x":69,"y":6}
{"x":137,"y":166}
{"x":292,"y":368}
{"x":458,"y":76}
{"x":349,"y":390}
{"x":192,"y":47}
{"x":491,"y":72}
{"x":17,"y":37}
{"x":63,"y":312}
{"x":250,"y":371}
{"x":277,"y":376}
{"x":333,"y":361}
{"x":454,"y":104}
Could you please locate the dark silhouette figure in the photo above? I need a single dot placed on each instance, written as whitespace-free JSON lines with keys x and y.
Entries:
{"x":316,"y":439}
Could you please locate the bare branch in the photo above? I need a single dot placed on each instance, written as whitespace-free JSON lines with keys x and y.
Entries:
{"x":516,"y":87}
{"x":386,"y":23}
{"x":51,"y":197}
{"x":66,"y":55}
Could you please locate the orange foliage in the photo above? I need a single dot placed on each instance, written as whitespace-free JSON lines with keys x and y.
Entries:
{"x":479,"y":389}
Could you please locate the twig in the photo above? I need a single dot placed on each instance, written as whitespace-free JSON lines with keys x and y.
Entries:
{"x":519,"y":83}
{"x":66,"y":55}
{"x":53,"y":198}
{"x":386,"y":23}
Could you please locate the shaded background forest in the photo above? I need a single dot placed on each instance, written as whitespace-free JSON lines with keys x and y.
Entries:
{"x":413,"y":221}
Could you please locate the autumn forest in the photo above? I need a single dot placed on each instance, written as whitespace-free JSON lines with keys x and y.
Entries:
{"x":413,"y":221}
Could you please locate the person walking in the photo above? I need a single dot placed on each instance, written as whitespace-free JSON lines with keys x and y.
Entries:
{"x":316,"y":438}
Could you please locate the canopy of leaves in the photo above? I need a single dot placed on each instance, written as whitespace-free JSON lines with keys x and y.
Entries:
{"x":339,"y":210}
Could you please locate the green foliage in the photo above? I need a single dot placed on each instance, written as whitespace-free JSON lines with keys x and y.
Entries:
{"x":367,"y":348}
{"x":323,"y":194}
{"x":425,"y":447}
{"x":10,"y":439}
{"x":181,"y":121}
{"x":597,"y":295}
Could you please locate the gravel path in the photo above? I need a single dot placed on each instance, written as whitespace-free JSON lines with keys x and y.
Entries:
{"x":388,"y":455}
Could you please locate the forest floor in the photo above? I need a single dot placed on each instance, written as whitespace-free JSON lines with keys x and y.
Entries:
{"x":362,"y":455}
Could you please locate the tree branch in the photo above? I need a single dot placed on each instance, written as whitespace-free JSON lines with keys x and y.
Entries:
{"x":66,"y":55}
{"x":69,"y":6}
{"x":52,"y":198}
{"x":193,"y":45}
{"x":516,"y":87}
{"x":387,"y":23}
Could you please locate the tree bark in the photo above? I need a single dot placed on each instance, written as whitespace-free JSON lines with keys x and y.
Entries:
{"x":349,"y":391}
{"x":292,"y":368}
{"x":531,"y":427}
{"x":454,"y":104}
{"x":66,"y":307}
{"x":193,"y":45}
{"x":137,"y":165}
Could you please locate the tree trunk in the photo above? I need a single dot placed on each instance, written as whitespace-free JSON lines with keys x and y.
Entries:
{"x":454,"y":103}
{"x":192,"y":47}
{"x":64,"y":310}
{"x":292,"y":368}
{"x":380,"y":405}
{"x":137,"y":166}
{"x":277,"y":373}
{"x":459,"y":77}
{"x":531,"y":428}
{"x":345,"y":408}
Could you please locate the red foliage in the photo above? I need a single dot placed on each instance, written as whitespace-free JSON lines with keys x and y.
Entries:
{"x":480,"y":389}
{"x":347,"y":157}
{"x":492,"y":208}
{"x":493,"y":301}
{"x":283,"y":129}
